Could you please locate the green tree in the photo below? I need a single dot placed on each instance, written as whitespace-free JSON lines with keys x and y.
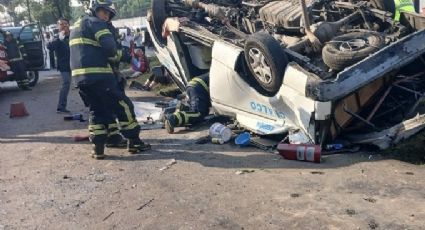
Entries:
{"x":10,"y":8}
{"x":127,"y":8}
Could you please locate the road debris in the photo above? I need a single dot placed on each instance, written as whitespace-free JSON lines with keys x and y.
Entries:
{"x":240,"y":172}
{"x":317,"y":173}
{"x":295,"y":195}
{"x":311,"y":153}
{"x":110,"y":214}
{"x":78,"y":138}
{"x":99,"y":178}
{"x":350,"y":212}
{"x":168,"y":165}
{"x":146,"y":204}
{"x":220,"y":131}
{"x":371,"y":200}
{"x":243,"y":139}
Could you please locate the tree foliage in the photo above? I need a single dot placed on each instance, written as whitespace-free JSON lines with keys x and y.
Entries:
{"x":46,"y":11}
{"x":128,"y":8}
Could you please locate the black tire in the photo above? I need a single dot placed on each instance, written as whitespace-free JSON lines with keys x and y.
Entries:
{"x":274,"y":60}
{"x":348,"y":49}
{"x":32,"y":77}
{"x":158,"y":18}
{"x":386,"y":5}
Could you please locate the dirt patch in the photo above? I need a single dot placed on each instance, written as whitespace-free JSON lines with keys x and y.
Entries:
{"x":48,"y":181}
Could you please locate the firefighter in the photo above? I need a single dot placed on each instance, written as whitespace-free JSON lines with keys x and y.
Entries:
{"x":115,"y":139}
{"x":92,"y":48}
{"x":16,"y":54}
{"x":403,"y":6}
{"x":199,"y":105}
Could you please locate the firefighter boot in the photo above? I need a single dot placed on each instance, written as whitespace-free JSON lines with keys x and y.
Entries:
{"x":116,"y":141}
{"x":98,"y":151}
{"x":170,"y":123}
{"x":135,"y":146}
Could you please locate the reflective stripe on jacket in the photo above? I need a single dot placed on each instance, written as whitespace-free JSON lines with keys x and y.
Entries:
{"x":91,"y":44}
{"x":403,"y":6}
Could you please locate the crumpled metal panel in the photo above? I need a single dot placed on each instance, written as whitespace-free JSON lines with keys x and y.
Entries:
{"x":368,"y":70}
{"x":285,"y":13}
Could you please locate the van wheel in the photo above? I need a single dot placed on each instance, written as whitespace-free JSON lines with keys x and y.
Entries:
{"x":32,"y":78}
{"x":348,"y":49}
{"x":266,"y":61}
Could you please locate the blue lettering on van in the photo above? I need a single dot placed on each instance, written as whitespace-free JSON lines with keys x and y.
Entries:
{"x":264,"y":127}
{"x":264,"y":109}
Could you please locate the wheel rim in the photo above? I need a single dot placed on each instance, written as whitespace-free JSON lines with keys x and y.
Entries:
{"x":352,"y":45}
{"x":30,"y":76}
{"x":260,"y":66}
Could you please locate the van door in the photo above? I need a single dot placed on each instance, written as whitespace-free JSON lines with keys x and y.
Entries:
{"x":31,"y":37}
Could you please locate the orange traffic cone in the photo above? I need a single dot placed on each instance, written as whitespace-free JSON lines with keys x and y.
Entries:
{"x":18,"y":110}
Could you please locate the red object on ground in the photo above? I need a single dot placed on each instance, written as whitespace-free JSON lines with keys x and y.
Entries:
{"x":18,"y":110}
{"x":301,"y":152}
{"x":78,"y":138}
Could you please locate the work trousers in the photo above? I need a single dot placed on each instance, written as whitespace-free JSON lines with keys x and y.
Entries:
{"x":111,"y":111}
{"x":19,"y":73}
{"x":63,"y":95}
{"x":199,"y":107}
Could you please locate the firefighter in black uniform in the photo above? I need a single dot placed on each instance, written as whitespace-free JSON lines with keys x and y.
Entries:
{"x":92,"y":48}
{"x":16,"y":54}
{"x":115,"y":139}
{"x":199,"y":105}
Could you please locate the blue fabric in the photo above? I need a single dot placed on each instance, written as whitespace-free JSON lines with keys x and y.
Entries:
{"x":61,"y":49}
{"x":63,"y":95}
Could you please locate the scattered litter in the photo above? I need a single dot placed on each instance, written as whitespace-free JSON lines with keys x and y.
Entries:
{"x":350,"y":212}
{"x":298,"y":137}
{"x":240,"y":172}
{"x":371,"y":200}
{"x":410,"y":173}
{"x":334,"y":146}
{"x":218,"y":141}
{"x":373,"y":224}
{"x":353,"y":149}
{"x":168,"y":165}
{"x":99,"y":178}
{"x":243,"y":139}
{"x":78,"y":138}
{"x":317,"y":173}
{"x":110,"y":214}
{"x":66,"y":177}
{"x":153,"y":126}
{"x":370,"y":157}
{"x":74,"y":117}
{"x":311,"y":153}
{"x":146,"y":204}
{"x":295,"y":195}
{"x":221,"y":131}
{"x":134,"y":186}
{"x":145,"y":110}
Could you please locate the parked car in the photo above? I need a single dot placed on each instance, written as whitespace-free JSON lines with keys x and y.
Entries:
{"x":32,"y":38}
{"x":273,"y":72}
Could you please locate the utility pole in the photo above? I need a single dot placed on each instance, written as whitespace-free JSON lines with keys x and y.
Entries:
{"x":29,"y":10}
